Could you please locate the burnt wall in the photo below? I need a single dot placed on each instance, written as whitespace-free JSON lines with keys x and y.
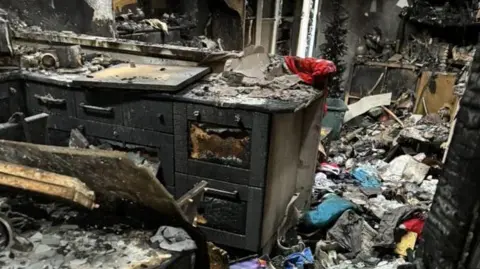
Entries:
{"x":361,"y":21}
{"x":80,"y":16}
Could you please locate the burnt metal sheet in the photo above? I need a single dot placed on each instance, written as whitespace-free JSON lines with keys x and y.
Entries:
{"x":114,"y":178}
{"x":52,"y":184}
{"x":144,"y":77}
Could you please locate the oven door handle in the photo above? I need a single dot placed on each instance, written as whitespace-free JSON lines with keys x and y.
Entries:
{"x":97,"y":109}
{"x":228,"y":194}
{"x":49,"y":100}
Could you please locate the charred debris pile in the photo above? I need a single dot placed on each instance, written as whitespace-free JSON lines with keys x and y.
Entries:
{"x":384,"y":144}
{"x":42,"y":226}
{"x":381,"y":152}
{"x":168,"y":28}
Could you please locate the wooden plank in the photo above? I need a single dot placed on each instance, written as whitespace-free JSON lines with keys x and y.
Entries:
{"x":365,"y":104}
{"x":435,"y":99}
{"x":110,"y":174}
{"x":51,"y":184}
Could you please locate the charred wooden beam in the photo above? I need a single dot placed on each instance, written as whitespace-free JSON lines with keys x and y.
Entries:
{"x":51,"y":184}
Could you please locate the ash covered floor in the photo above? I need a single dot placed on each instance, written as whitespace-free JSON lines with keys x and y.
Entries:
{"x":55,"y":235}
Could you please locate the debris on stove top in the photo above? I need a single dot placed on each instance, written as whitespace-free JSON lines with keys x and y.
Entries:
{"x":62,"y":60}
{"x":254,"y":79}
{"x":234,"y":86}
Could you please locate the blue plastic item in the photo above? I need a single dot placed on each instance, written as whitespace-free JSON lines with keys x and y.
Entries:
{"x":327,"y":212}
{"x":299,"y":259}
{"x":367,"y":177}
{"x":250,"y":264}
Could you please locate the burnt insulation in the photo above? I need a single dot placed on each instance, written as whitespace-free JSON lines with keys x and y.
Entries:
{"x":335,"y":46}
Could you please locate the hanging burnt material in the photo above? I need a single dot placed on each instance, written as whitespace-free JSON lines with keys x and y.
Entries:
{"x":335,"y":46}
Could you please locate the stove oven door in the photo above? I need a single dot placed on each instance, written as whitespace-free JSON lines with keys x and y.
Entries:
{"x":228,"y":145}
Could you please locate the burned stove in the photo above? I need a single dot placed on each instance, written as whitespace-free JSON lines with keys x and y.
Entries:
{"x":222,"y":209}
{"x":256,"y":149}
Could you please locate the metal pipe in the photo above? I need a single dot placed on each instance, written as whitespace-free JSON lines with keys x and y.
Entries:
{"x":313,"y":28}
{"x":303,"y":33}
{"x":258,"y":23}
{"x":276,"y":23}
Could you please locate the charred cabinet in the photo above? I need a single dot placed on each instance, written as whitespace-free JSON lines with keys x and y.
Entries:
{"x":228,"y":148}
{"x":254,"y":159}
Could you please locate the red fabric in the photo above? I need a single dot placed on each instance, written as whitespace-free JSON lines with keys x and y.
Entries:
{"x":414,"y":225}
{"x":310,"y":70}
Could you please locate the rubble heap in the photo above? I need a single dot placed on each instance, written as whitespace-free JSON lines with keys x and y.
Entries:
{"x":373,"y":187}
{"x":55,"y":235}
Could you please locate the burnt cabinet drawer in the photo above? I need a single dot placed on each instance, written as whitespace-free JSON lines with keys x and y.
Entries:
{"x":127,"y":134}
{"x":149,"y":115}
{"x":232,"y":212}
{"x":162,"y":142}
{"x":50,"y":99}
{"x":100,"y":106}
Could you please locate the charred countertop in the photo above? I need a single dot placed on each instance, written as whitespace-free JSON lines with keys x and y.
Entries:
{"x":251,"y":91}
{"x":281,"y":94}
